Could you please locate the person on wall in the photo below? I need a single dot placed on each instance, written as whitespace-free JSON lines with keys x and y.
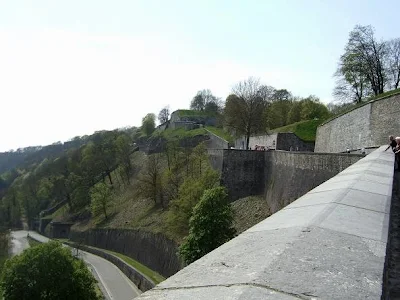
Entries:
{"x":392,"y":143}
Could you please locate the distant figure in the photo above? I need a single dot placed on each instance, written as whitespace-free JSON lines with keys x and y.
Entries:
{"x":348,"y":150}
{"x":392,"y":143}
{"x":362,"y":150}
{"x":397,"y":153}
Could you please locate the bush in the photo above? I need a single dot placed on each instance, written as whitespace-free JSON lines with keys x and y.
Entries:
{"x":48,"y":271}
{"x":210,"y":225}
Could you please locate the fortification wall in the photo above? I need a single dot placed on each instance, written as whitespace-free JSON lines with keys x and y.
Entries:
{"x":216,"y":142}
{"x":350,"y":131}
{"x":384,"y":119}
{"x":243,"y":173}
{"x":367,"y":126}
{"x":281,"y":176}
{"x":216,"y":157}
{"x":153,"y":250}
{"x":289,"y":175}
{"x":290,"y":142}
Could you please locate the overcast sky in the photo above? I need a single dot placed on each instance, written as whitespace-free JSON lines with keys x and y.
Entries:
{"x":69,"y":68}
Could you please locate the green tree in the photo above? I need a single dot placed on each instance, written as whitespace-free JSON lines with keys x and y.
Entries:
{"x":47,"y":271}
{"x":163,"y":115}
{"x":189,"y":194}
{"x":312,"y":108}
{"x":205,"y":101}
{"x":100,"y":196}
{"x":149,"y":124}
{"x":210,"y":225}
{"x":245,"y":109}
{"x":277,"y":113}
{"x":294,"y":114}
{"x":150,"y":180}
{"x":123,"y":152}
{"x":363,"y":66}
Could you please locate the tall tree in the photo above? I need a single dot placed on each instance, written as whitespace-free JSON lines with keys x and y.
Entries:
{"x":362,"y":66}
{"x":163,"y":115}
{"x":205,"y":101}
{"x":100,"y":196}
{"x":210,"y":225}
{"x":47,"y":271}
{"x":149,"y":124}
{"x":245,"y":109}
{"x":393,"y":62}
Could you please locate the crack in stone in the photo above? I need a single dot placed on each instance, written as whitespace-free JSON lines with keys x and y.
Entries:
{"x":304,"y":296}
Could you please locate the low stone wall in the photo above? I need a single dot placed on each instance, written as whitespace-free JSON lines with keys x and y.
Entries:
{"x":140,"y":280}
{"x":152,"y":250}
{"x":289,"y":175}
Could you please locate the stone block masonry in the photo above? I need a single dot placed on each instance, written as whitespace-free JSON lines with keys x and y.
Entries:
{"x":328,"y":244}
{"x":366,"y":126}
{"x":289,"y":175}
{"x":279,"y":175}
{"x":243,"y":173}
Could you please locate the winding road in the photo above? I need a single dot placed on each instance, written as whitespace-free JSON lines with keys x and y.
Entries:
{"x":114,"y":284}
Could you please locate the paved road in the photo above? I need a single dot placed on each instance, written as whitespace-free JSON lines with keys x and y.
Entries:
{"x":114,"y":283}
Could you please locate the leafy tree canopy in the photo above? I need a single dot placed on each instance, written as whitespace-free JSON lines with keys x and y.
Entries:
{"x":210,"y":225}
{"x":47,"y":271}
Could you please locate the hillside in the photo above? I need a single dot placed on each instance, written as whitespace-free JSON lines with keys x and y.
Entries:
{"x":306,"y":130}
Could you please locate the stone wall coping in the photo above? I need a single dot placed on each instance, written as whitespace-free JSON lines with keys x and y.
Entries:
{"x":328,"y":244}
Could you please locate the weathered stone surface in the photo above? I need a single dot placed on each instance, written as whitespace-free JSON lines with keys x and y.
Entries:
{"x":333,"y":248}
{"x":366,"y":126}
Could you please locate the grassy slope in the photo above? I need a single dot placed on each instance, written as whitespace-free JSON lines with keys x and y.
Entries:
{"x":221,"y":133}
{"x":306,"y":130}
{"x":154,"y":276}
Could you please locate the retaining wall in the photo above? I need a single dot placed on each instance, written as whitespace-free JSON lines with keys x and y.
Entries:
{"x":366,"y":126}
{"x":282,"y":176}
{"x":328,"y":244}
{"x":243,"y":173}
{"x":153,"y":250}
{"x":140,"y":280}
{"x":289,"y":175}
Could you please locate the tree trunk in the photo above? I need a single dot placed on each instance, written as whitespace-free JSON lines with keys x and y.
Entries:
{"x":109,"y":177}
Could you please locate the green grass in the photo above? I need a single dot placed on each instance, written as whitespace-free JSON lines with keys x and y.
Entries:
{"x":364,"y":102}
{"x":306,"y":130}
{"x":221,"y":133}
{"x":179,"y":133}
{"x":32,"y":242}
{"x":154,"y":276}
{"x":385,"y":94}
{"x":194,"y":113}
